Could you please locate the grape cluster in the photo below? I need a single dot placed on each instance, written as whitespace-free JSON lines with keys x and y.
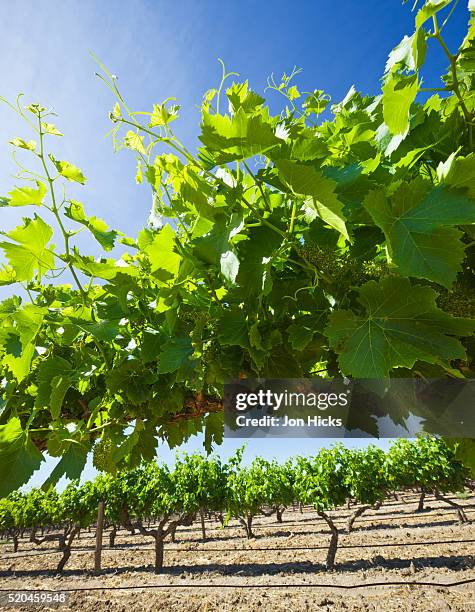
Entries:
{"x":460,"y":302}
{"x":102,"y":455}
{"x":192,"y":316}
{"x":339,"y":267}
{"x":323,"y":258}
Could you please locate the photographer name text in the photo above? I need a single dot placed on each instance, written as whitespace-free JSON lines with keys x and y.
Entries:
{"x":285,"y":421}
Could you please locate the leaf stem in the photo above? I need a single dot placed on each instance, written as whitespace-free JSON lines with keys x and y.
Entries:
{"x":172,"y":206}
{"x":434,"y":89}
{"x":54,"y":209}
{"x":455,"y":82}
{"x":102,"y":352}
{"x":454,"y":6}
{"x":292,"y":217}
{"x":258,"y":182}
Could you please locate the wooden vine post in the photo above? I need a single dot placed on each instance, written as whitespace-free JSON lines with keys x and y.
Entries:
{"x":99,"y":532}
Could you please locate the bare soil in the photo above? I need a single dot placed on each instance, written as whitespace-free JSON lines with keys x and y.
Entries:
{"x":281,"y":569}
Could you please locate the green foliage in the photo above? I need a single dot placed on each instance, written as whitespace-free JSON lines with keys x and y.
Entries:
{"x":97,"y":227}
{"x":200,"y":482}
{"x":366,"y":475}
{"x":400,"y":325}
{"x":298,"y":239}
{"x":20,"y":457}
{"x":428,"y":464}
{"x":417,"y":229}
{"x":28,"y":251}
{"x":464,"y":450}
{"x":263,"y":483}
{"x":197,"y":482}
{"x":320,"y":480}
{"x":77,"y":505}
{"x":169,"y":497}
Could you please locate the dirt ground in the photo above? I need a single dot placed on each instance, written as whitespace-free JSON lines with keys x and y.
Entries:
{"x":281,"y":569}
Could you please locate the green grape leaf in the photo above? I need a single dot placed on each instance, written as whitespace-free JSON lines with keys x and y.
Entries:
{"x":134,"y":141}
{"x":12,"y":345}
{"x":415,"y":224}
{"x":236,"y":137}
{"x":464,"y":451}
{"x":253,"y":276}
{"x":29,"y":145}
{"x":103,"y":330}
{"x":306,"y":180}
{"x":399,"y":92}
{"x":54,"y":379}
{"x":179,"y":432}
{"x":255,"y":338}
{"x":162,"y":255}
{"x":281,"y":363}
{"x":59,"y":387}
{"x":30,"y":251}
{"x":19,"y":457}
{"x":96,"y":226}
{"x":430,"y":8}
{"x":409,"y":53}
{"x":26,"y":196}
{"x":161,"y":115}
{"x":146,"y":445}
{"x":316,"y":102}
{"x":240,"y":96}
{"x":458,"y":173}
{"x":49,"y":128}
{"x":401,"y":324}
{"x":214,"y":430}
{"x":7,"y":275}
{"x":107,"y":269}
{"x":210,"y":247}
{"x":70,"y":465}
{"x":174,"y":353}
{"x":150,"y":345}
{"x":232,"y":328}
{"x":302,"y":331}
{"x":68,"y":170}
{"x":466,"y":58}
{"x":28,"y":321}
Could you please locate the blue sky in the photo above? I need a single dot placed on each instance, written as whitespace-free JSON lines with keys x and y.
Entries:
{"x":160,"y":49}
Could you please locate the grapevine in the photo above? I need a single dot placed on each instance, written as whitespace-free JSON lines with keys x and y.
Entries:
{"x":154,"y":500}
{"x":283,"y":245}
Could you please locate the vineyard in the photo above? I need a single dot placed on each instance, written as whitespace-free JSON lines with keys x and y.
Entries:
{"x":411,"y":560}
{"x":200,"y":515}
{"x":154,"y":500}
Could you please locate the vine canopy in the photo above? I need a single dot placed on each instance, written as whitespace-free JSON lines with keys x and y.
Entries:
{"x":331,"y":239}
